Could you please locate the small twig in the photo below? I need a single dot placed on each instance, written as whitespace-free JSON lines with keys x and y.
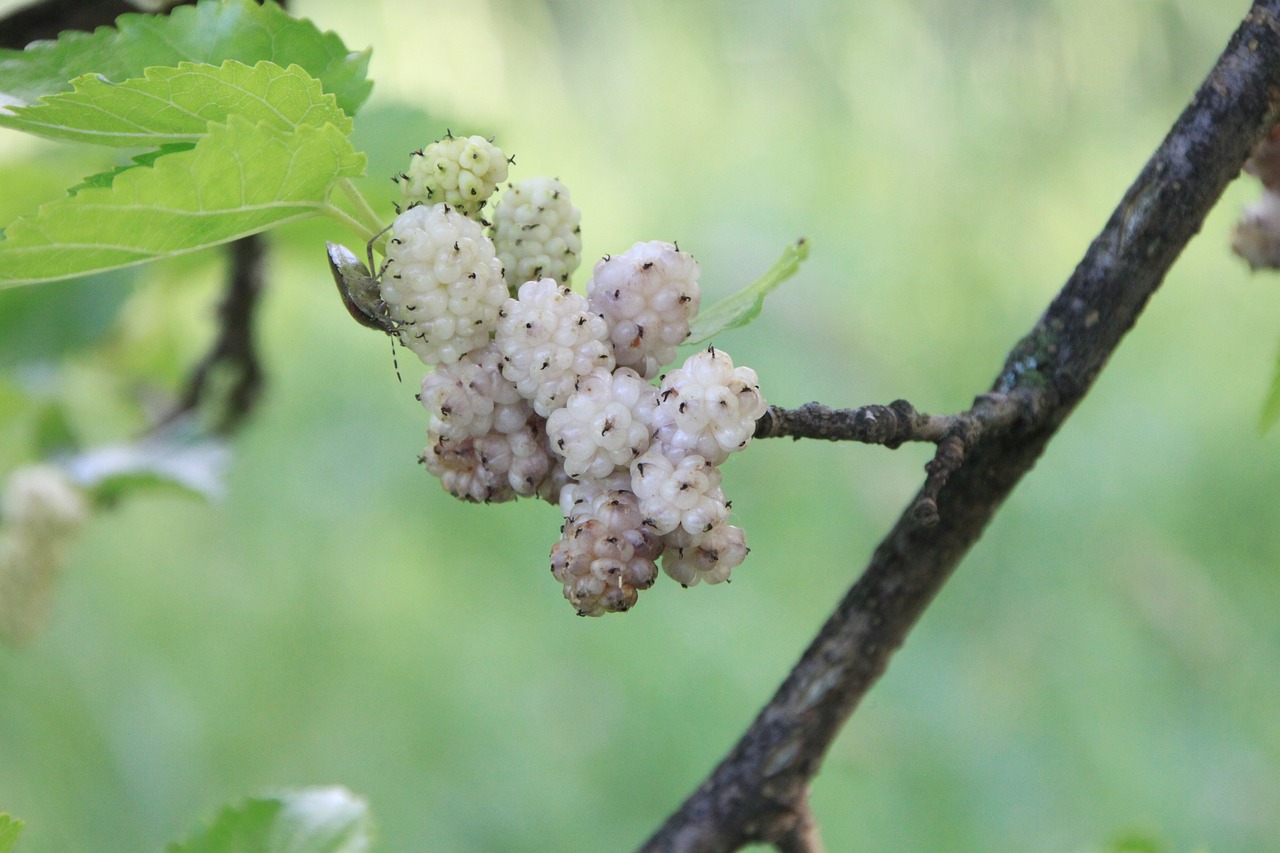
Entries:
{"x":802,"y":836}
{"x":892,"y":425}
{"x":899,"y":422}
{"x":233,"y":349}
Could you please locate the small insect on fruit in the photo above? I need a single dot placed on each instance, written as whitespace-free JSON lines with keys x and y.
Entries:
{"x":359,"y":290}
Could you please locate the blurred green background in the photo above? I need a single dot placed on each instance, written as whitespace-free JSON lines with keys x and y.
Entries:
{"x":1104,"y":669}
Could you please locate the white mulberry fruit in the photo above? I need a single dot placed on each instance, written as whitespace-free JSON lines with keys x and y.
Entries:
{"x":684,"y":492}
{"x":1256,"y":237}
{"x":471,"y":397}
{"x":606,"y":554}
{"x":491,"y":468}
{"x":648,"y":295}
{"x":708,"y":406}
{"x":471,"y":469}
{"x":535,"y":229}
{"x":442,"y":283}
{"x":548,"y":338}
{"x":710,"y":557}
{"x":577,"y":494}
{"x":604,"y":424}
{"x":462,"y":171}
{"x":40,"y":513}
{"x":41,"y":503}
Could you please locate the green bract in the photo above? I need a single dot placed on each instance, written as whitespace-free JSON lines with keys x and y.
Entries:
{"x":744,"y":306}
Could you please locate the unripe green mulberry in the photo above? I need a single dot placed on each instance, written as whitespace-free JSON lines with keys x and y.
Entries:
{"x":461,"y":171}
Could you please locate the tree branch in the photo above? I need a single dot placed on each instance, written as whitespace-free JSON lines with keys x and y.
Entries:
{"x":760,"y":787}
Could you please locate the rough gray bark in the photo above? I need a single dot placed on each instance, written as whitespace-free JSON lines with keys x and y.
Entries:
{"x":758,"y":792}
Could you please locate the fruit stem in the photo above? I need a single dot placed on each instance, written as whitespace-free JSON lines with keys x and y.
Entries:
{"x":364,"y":210}
{"x":340,"y":215}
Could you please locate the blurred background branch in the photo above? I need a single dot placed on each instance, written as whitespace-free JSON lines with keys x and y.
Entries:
{"x":233,"y":351}
{"x":46,"y":18}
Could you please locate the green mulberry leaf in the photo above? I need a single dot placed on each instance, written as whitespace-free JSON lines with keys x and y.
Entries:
{"x":104,"y":180}
{"x":238,"y":180}
{"x":210,"y":32}
{"x":172,"y":105}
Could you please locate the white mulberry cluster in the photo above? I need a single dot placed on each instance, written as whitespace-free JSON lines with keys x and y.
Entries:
{"x":493,"y":467}
{"x":40,"y":513}
{"x":541,"y":391}
{"x":442,"y":283}
{"x":461,"y":171}
{"x":648,"y":295}
{"x":1256,"y":237}
{"x":613,"y":438}
{"x":485,"y":442}
{"x":709,"y":557}
{"x":536,"y":231}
